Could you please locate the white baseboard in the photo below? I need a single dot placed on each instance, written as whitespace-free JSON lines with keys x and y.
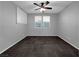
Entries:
{"x":11,"y":45}
{"x":68,"y":42}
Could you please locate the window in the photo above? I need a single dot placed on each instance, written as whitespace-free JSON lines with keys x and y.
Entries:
{"x":46,"y":21}
{"x":21,"y":16}
{"x":38,"y":21}
{"x":42,"y":21}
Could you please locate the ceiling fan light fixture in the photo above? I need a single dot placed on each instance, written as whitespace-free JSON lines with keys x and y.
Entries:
{"x":42,"y":6}
{"x":42,"y":9}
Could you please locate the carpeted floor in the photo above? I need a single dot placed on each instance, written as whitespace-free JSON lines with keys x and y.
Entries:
{"x":41,"y":46}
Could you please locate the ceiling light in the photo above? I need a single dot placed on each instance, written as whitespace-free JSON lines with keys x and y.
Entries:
{"x":42,"y":9}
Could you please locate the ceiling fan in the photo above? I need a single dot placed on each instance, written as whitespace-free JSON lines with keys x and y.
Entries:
{"x":43,"y":6}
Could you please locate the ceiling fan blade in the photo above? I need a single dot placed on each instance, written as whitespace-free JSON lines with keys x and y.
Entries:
{"x":47,"y":2}
{"x":48,"y":7}
{"x":37,"y":8}
{"x":36,"y":4}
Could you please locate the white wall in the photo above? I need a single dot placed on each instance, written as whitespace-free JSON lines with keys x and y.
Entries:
{"x":51,"y":31}
{"x":10,"y":32}
{"x":68,"y":24}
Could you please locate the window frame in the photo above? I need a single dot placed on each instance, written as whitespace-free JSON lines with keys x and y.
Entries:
{"x":42,"y":23}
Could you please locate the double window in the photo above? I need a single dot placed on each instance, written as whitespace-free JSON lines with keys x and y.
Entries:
{"x":42,"y":21}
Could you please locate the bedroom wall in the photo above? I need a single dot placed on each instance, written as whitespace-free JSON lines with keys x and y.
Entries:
{"x":68,"y":24}
{"x":10,"y":31}
{"x":50,"y":31}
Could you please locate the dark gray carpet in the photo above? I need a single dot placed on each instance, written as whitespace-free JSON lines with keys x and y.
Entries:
{"x":41,"y":46}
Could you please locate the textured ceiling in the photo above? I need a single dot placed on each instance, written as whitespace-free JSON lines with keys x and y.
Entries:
{"x":29,"y":7}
